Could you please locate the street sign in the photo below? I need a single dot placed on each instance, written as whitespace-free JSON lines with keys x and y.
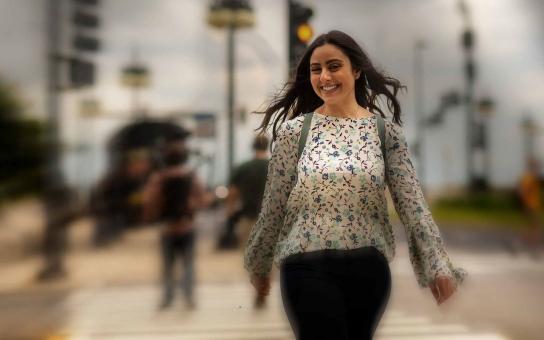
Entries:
{"x":135,"y":75}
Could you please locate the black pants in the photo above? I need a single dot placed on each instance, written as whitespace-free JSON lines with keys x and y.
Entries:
{"x":335,"y":294}
{"x":178,"y":246}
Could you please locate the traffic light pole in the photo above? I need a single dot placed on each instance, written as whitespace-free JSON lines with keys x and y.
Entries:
{"x":60,"y":201}
{"x":52,"y":90}
{"x":54,"y":234}
{"x":230,"y":96}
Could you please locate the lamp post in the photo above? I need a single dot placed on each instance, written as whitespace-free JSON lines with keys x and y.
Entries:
{"x":231,"y":15}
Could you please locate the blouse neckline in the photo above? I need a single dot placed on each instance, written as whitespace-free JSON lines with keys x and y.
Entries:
{"x":324,"y":116}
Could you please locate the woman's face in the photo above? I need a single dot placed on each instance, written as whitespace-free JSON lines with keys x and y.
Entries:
{"x":331,"y":75}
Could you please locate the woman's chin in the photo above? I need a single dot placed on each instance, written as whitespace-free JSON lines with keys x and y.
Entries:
{"x":331,"y":99}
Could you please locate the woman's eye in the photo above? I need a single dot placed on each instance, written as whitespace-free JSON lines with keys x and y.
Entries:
{"x":316,"y":70}
{"x":334,"y":67}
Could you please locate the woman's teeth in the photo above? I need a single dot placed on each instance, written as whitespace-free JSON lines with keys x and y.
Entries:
{"x":329,"y":87}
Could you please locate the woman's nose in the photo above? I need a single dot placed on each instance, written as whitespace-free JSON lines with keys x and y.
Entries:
{"x":325,"y":75}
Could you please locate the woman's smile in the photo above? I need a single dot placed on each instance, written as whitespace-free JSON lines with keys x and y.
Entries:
{"x":329,"y":89}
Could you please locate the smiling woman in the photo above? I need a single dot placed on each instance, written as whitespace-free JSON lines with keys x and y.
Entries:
{"x":324,"y":217}
{"x":332,"y":52}
{"x":333,"y":80}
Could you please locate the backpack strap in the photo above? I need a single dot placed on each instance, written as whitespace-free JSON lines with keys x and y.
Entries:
{"x":381,"y":133}
{"x":304,"y":133}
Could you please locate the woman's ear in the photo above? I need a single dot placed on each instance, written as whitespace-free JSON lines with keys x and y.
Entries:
{"x":357,"y":74}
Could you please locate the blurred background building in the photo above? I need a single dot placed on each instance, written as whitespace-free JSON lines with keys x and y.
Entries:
{"x":185,"y":61}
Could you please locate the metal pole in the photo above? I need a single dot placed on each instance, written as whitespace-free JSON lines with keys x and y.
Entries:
{"x":136,"y":114}
{"x":54,"y":235}
{"x":467,"y":40}
{"x":527,"y":127}
{"x":52,"y":90}
{"x":418,"y":107}
{"x":486,"y":149}
{"x":230,"y":96}
{"x":470,"y":126}
{"x":135,"y":103}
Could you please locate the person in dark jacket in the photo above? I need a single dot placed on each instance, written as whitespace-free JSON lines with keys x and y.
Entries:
{"x":173,"y":195}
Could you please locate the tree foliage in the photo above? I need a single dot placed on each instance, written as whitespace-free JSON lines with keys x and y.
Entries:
{"x":22,"y":147}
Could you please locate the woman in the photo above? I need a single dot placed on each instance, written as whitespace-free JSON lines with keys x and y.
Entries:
{"x":324,"y":216}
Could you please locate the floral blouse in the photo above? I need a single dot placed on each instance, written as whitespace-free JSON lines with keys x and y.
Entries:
{"x":334,"y":197}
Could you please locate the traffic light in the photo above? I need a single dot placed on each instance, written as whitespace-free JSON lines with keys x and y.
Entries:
{"x":300,"y":31}
{"x":81,"y":73}
{"x":85,"y":22}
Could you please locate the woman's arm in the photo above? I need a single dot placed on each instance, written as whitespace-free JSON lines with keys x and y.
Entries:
{"x":428,"y":256}
{"x":259,"y":253}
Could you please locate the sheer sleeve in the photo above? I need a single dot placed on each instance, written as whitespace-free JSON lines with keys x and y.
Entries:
{"x":427,"y":251}
{"x":259,"y":252}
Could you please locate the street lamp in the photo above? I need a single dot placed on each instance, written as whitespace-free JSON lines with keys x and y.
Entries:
{"x":231,"y":15}
{"x":135,"y":76}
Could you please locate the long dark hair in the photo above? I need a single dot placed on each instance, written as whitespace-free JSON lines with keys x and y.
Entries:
{"x":298,"y":97}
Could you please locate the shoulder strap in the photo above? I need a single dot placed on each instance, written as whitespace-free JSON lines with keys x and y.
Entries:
{"x":381,"y":133}
{"x":304,"y":133}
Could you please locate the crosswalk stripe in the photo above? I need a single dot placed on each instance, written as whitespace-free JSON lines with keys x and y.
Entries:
{"x":484,"y":336}
{"x":409,"y":329}
{"x":224,"y":312}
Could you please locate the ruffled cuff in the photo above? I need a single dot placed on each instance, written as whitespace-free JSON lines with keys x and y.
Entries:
{"x":437,"y":263}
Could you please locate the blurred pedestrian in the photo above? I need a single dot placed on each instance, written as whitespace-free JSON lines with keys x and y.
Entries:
{"x":62,"y":208}
{"x":529,"y":192}
{"x":324,"y":216}
{"x":173,"y":195}
{"x":116,"y":202}
{"x":246,"y":191}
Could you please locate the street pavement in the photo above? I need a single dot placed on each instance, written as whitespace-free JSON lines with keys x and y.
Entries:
{"x":113,"y":293}
{"x":224,"y":311}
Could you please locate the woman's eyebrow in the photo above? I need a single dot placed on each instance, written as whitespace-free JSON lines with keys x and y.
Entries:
{"x":327,"y":62}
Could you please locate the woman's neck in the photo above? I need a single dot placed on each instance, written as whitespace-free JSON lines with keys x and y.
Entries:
{"x":344,"y":111}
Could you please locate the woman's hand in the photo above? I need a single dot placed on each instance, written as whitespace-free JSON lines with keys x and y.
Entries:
{"x":442,"y":288}
{"x":261,"y":284}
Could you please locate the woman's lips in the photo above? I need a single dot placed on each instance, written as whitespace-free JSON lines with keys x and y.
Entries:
{"x":328,"y":89}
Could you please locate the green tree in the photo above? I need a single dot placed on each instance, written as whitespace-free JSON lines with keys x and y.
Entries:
{"x":22,"y":147}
